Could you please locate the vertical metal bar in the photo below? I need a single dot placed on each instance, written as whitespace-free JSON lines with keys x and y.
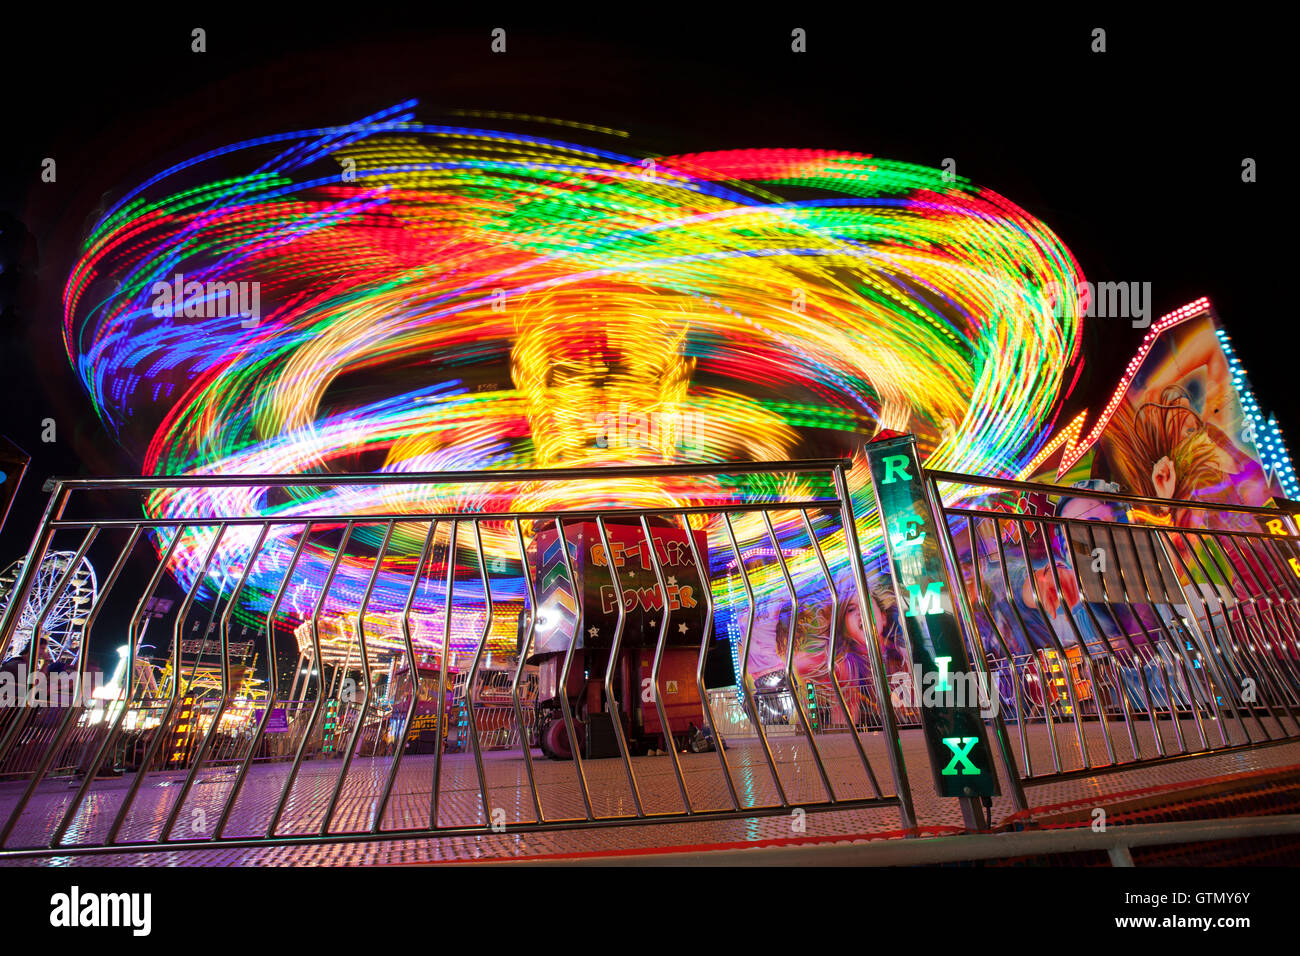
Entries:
{"x":1238,"y":650}
{"x":273,"y":665}
{"x":1253,"y":637}
{"x":1176,"y":642}
{"x":35,"y":651}
{"x":796,"y":689}
{"x":1112,"y":656}
{"x":1223,"y":647}
{"x":565,"y":709}
{"x":340,"y":673}
{"x":132,"y":641}
{"x":1285,"y":587}
{"x":163,"y":726}
{"x":11,"y":614}
{"x":835,"y":681}
{"x":1273,"y":633}
{"x":471,"y":685}
{"x":658,"y":660}
{"x":616,"y":713}
{"x":299,"y":669}
{"x":897,"y":765}
{"x":441,"y":731}
{"x":197,"y":763}
{"x":706,"y":587}
{"x":1153,"y":644}
{"x":1265,"y":585}
{"x":1184,"y":628}
{"x":1138,"y":660}
{"x":320,"y":697}
{"x":414,"y":672}
{"x":1289,"y":598}
{"x":524,"y":745}
{"x":207,"y":629}
{"x":750,"y":703}
{"x":1013,"y":600}
{"x":1276,"y":595}
{"x":365,"y":667}
{"x":1009,"y":764}
{"x":1288,"y":577}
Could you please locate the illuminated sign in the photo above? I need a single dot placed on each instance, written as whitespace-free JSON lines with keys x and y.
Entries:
{"x":954,"y":729}
{"x":645,"y":601}
{"x":277,"y":723}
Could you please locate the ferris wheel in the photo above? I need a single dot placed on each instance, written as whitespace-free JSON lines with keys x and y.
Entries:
{"x":66,"y":622}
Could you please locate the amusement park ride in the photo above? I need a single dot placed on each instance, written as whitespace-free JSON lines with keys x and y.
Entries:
{"x":61,"y":595}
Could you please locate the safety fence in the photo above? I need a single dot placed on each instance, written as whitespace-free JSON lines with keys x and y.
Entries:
{"x":438,"y":651}
{"x":1119,"y":630}
{"x":736,"y":657}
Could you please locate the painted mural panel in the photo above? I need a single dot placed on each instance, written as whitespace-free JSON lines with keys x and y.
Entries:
{"x":1180,"y":431}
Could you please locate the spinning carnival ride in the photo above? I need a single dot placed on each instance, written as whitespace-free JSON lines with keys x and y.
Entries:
{"x":396,"y":296}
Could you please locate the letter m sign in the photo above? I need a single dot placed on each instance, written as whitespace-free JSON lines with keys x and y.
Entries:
{"x":924,"y":602}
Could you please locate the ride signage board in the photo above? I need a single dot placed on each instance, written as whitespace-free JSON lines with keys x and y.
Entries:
{"x":277,"y":723}
{"x":951,"y":697}
{"x":645,"y":603}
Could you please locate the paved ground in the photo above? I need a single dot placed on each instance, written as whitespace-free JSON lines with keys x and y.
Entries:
{"x":510,"y":798}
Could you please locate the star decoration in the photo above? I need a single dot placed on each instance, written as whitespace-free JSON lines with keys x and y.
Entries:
{"x":672,"y":580}
{"x":682,"y":627}
{"x":593,"y":631}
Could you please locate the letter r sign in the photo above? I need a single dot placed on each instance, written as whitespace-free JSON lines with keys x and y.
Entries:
{"x":895,"y":468}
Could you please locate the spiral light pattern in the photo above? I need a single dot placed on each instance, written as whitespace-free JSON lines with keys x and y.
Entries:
{"x":439,"y":298}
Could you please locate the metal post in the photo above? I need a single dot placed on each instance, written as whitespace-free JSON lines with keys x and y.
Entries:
{"x":897,"y":763}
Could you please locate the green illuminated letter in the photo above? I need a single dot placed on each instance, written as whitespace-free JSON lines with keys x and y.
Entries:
{"x":895,"y":465}
{"x":943,"y":663}
{"x":927,"y":603}
{"x":960,"y":747}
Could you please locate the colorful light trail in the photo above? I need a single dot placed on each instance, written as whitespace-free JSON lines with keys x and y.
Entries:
{"x":437,"y":297}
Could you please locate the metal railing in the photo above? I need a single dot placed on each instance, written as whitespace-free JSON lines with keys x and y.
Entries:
{"x":1112,"y":641}
{"x":1122,"y":631}
{"x":336,"y":765}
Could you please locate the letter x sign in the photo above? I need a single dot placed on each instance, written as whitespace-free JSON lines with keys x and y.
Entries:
{"x":961,"y":748}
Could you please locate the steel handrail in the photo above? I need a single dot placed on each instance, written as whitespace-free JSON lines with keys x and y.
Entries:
{"x":597,"y":473}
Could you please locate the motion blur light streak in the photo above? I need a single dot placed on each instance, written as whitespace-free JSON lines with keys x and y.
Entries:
{"x":447,"y":298}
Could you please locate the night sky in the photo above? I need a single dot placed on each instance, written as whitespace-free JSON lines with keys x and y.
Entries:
{"x":1133,"y":157}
